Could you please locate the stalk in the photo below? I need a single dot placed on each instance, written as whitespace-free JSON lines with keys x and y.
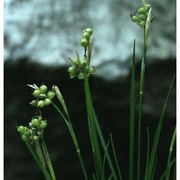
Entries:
{"x":93,"y":132}
{"x":132,"y":118}
{"x":48,"y":160}
{"x":170,"y":154}
{"x":74,"y":138}
{"x":141,"y":91}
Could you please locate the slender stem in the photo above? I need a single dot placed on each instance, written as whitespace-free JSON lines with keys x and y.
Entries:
{"x":115,"y":157}
{"x":141,"y":91}
{"x":42,"y":159}
{"x":36,"y":158}
{"x":93,"y":131}
{"x":157,"y":135}
{"x":74,"y":138}
{"x":170,"y":154}
{"x":132,"y":118}
{"x":48,"y":160}
{"x":147,"y":157}
{"x":101,"y":137}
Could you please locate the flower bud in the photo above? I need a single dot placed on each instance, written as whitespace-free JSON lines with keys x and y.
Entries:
{"x":75,"y":61}
{"x":43,"y":124}
{"x":86,"y":35}
{"x":47,"y":101}
{"x":92,"y":70}
{"x":50,"y":94}
{"x":84,"y":42}
{"x":134,"y":18}
{"x":141,"y":23}
{"x":142,"y":17}
{"x":21,"y":129}
{"x":89,"y":30}
{"x":24,"y":138}
{"x":35,"y":138}
{"x":72,"y":70}
{"x":33,"y":103}
{"x":40,"y":104}
{"x":83,"y":62}
{"x":36,"y":93}
{"x":28,"y":132}
{"x":142,"y":10}
{"x":35,"y":122}
{"x":80,"y":76}
{"x":43,"y":88}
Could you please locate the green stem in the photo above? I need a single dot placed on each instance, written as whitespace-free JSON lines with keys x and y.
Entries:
{"x":101,"y":137}
{"x":48,"y":160}
{"x":157,"y":135}
{"x":42,"y":160}
{"x":170,"y":154}
{"x":36,"y":158}
{"x":132,"y":118}
{"x":93,"y":131}
{"x":74,"y":138}
{"x":141,"y":91}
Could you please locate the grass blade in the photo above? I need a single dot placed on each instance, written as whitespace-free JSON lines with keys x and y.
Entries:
{"x":115,"y":157}
{"x":132,"y":118}
{"x":170,"y":154}
{"x":147,"y":158}
{"x":101,"y":137}
{"x":157,"y":135}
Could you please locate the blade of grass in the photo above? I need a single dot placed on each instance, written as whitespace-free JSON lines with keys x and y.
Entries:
{"x":105,"y":156}
{"x":173,"y":162}
{"x":147,"y":158}
{"x":132,"y":118}
{"x":74,"y":138}
{"x":48,"y":160}
{"x":37,"y":160}
{"x":157,"y":135}
{"x":170,"y":154}
{"x":115,"y":157}
{"x":93,"y":131}
{"x":101,"y":137}
{"x":154,"y":168}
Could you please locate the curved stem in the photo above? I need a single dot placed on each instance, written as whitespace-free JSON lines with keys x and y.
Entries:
{"x":74,"y":138}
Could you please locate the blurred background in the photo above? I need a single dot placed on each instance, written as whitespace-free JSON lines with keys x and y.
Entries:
{"x":39,"y":38}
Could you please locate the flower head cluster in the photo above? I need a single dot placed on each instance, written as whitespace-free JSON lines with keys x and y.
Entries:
{"x":80,"y":68}
{"x":86,"y":37}
{"x":34,"y":131}
{"x":43,"y":95}
{"x":141,"y":15}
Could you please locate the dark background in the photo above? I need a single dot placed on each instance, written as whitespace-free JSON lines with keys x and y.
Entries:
{"x":111,"y":101}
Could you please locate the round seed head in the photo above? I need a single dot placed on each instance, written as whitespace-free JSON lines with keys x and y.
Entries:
{"x":43,"y":88}
{"x":43,"y":124}
{"x":142,"y":10}
{"x":36,"y":93}
{"x":86,"y":35}
{"x":21,"y":129}
{"x":50,"y":95}
{"x":35,"y":122}
{"x":47,"y":101}
{"x":141,"y":23}
{"x":92,"y":70}
{"x":134,"y":18}
{"x":40,"y":104}
{"x":80,"y":76}
{"x":84,"y":42}
{"x":89,"y":30}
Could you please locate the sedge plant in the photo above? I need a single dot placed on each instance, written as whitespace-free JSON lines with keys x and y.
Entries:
{"x":106,"y":163}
